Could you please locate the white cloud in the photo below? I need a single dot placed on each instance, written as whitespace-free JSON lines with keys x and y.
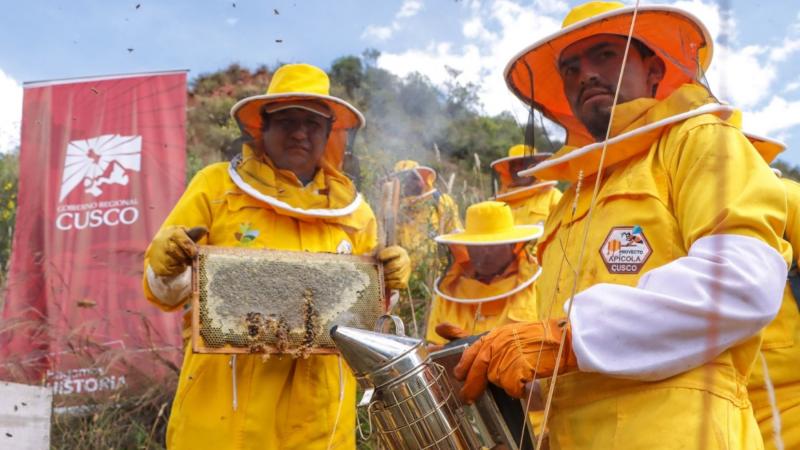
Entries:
{"x":551,"y":6}
{"x":232,"y":21}
{"x":782,"y":52}
{"x":774,"y":118}
{"x":378,"y":33}
{"x":10,"y":112}
{"x":742,"y":76}
{"x":791,"y":87}
{"x":474,"y":29}
{"x":409,"y":8}
{"x":494,"y":32}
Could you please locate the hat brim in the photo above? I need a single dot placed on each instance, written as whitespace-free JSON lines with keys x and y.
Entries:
{"x":677,"y":36}
{"x":524,"y":191}
{"x":519,"y":233}
{"x":537,"y":158}
{"x":769,"y":149}
{"x":247,"y":111}
{"x":427,"y":174}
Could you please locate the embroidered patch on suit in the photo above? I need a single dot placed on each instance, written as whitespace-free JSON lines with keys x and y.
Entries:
{"x":246,"y":235}
{"x":625,"y":250}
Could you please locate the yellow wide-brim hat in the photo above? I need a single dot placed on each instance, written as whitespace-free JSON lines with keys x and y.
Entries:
{"x":296,"y":86}
{"x":427,"y":174}
{"x":491,"y":223}
{"x":768,"y":148}
{"x":677,"y":36}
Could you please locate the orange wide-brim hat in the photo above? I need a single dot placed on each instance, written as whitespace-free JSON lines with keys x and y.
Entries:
{"x":677,"y":36}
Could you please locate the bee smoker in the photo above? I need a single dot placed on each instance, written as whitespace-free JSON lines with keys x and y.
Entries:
{"x":406,"y":394}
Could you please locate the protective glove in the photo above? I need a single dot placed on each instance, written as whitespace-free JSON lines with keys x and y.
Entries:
{"x":173,"y":248}
{"x":510,"y":355}
{"x":396,"y":266}
{"x":450,"y":332}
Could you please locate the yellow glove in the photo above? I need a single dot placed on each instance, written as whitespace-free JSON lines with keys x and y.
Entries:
{"x":510,"y":355}
{"x":173,"y":248}
{"x":396,"y":266}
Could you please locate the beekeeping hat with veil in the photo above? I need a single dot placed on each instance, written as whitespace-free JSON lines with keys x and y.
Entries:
{"x":504,"y":173}
{"x":487,"y":223}
{"x":676,"y":36}
{"x":305,"y":87}
{"x":425,"y":174}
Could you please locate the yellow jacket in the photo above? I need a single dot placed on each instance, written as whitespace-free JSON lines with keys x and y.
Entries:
{"x":535,"y":208}
{"x":781,"y":350}
{"x":677,"y":190}
{"x":283,"y":403}
{"x":421,"y":219}
{"x":481,"y":317}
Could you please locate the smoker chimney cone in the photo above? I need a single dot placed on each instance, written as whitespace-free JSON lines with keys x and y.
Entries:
{"x":367,"y":351}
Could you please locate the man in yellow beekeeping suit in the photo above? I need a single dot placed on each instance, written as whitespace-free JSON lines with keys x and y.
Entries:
{"x":284,"y":191}
{"x":530,"y":200}
{"x":490,"y":278}
{"x":653,"y":291}
{"x":424,"y":212}
{"x":780,"y":348}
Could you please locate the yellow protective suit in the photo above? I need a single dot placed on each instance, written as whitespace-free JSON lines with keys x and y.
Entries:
{"x":671,"y":184}
{"x":781,"y":350}
{"x":421,"y":219}
{"x":283,"y":403}
{"x":535,"y":208}
{"x":482,"y":317}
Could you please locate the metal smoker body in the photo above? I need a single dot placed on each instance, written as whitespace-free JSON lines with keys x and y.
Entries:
{"x":406,"y":394}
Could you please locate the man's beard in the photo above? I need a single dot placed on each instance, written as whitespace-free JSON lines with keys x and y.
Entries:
{"x":597,"y":123}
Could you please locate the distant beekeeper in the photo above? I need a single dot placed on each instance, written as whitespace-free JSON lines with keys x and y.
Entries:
{"x":424,"y":212}
{"x":779,"y":363}
{"x":531,"y":200}
{"x":490,"y":280}
{"x":285,"y":191}
{"x":672,"y":269}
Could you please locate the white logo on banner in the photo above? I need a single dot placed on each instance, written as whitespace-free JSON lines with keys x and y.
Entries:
{"x":93,"y":163}
{"x":100,"y":160}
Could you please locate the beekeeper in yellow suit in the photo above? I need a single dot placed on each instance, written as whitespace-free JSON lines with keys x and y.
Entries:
{"x":285,"y":191}
{"x":780,"y":348}
{"x":490,"y":281}
{"x":669,"y":273}
{"x":530,"y":200}
{"x":424,"y":212}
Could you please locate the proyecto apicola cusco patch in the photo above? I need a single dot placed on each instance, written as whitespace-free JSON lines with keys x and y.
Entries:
{"x":625,"y":250}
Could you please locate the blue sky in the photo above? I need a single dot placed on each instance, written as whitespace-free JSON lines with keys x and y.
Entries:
{"x":55,"y":39}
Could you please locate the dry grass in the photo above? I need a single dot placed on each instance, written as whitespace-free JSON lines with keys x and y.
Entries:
{"x":126,"y":420}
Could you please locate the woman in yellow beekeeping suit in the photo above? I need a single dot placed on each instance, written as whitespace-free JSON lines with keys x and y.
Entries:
{"x":530,"y":200}
{"x":655,"y":286}
{"x":424,"y":211}
{"x":490,"y":281}
{"x":284,"y":191}
{"x":780,"y":347}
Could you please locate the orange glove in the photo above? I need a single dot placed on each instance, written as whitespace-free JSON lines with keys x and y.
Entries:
{"x":450,"y":332}
{"x":510,"y":355}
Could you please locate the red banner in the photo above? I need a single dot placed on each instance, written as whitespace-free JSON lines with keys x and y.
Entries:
{"x":102,"y":162}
